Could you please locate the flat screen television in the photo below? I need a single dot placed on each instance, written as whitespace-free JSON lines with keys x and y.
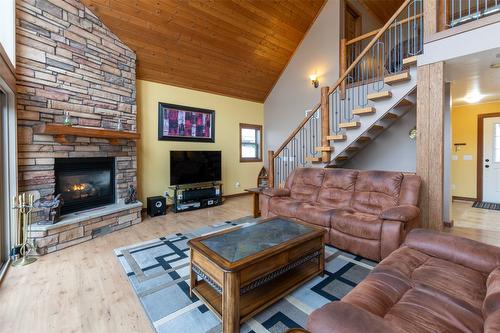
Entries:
{"x":189,"y":167}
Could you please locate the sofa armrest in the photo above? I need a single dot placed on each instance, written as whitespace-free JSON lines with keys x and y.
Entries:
{"x":340,"y":317}
{"x":404,"y":213}
{"x":491,"y":302}
{"x":466,"y":252}
{"x":276,"y":192}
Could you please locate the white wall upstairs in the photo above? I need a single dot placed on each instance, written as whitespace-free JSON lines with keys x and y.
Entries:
{"x":293,"y":93}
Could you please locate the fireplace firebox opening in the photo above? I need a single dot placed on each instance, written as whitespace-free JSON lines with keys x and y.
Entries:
{"x":85,"y":183}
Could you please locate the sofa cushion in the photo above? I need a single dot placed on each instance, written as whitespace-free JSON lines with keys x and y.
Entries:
{"x":284,"y":206}
{"x":420,"y":293}
{"x":306,"y":184}
{"x":315,"y":214}
{"x":337,"y":188}
{"x":356,"y":224}
{"x":376,"y":191}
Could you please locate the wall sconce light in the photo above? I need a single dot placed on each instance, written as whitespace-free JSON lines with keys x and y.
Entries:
{"x":314,"y":80}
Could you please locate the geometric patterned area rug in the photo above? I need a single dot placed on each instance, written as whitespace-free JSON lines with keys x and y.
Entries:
{"x":158,"y":271}
{"x":486,"y":205}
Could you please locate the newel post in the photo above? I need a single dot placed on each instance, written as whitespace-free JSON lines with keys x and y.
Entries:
{"x":325,"y":124}
{"x":270,"y":172}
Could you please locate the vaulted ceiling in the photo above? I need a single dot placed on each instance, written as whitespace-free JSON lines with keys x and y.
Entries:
{"x":231,"y":47}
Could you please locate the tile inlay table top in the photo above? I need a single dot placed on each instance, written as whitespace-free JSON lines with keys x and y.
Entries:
{"x":240,"y":271}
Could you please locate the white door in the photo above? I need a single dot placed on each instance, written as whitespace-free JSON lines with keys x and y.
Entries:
{"x":491,"y":160}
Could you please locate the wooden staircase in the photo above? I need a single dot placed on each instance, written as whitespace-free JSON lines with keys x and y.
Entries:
{"x":361,"y":105}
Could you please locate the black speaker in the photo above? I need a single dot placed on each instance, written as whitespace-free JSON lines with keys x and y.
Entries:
{"x":157,"y":206}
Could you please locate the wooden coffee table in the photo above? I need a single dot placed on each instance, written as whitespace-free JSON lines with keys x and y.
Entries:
{"x":239,"y":272}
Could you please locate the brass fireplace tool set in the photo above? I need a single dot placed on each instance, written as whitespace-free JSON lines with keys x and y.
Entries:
{"x":24,"y":204}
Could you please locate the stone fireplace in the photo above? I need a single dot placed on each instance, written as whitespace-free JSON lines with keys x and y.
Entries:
{"x":85,"y":183}
{"x":68,"y":61}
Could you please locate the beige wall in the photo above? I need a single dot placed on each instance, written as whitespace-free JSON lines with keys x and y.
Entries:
{"x":153,"y":155}
{"x":464,"y":129}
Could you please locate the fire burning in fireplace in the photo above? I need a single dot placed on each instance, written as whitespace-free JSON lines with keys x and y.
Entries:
{"x":77,"y":187}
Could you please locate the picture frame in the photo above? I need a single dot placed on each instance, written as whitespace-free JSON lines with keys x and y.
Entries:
{"x":185,"y":123}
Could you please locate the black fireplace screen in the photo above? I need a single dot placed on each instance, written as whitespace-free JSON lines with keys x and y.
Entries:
{"x":85,"y":182}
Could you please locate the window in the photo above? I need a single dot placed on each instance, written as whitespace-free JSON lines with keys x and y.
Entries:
{"x":496,"y":140}
{"x":250,"y":143}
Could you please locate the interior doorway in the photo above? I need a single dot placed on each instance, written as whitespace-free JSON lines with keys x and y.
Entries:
{"x":352,"y":21}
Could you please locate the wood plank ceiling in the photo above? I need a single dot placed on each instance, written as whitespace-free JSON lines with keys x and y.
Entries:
{"x":235,"y":48}
{"x":382,"y":9}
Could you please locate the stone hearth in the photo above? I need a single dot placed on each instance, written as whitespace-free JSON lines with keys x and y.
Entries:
{"x":68,"y":61}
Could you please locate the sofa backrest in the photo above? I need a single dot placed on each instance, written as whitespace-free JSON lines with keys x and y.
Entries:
{"x":304,"y":183}
{"x":337,"y":188}
{"x":366,"y":191}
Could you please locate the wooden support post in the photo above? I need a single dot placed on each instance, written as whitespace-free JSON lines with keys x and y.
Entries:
{"x":443,"y":15}
{"x":430,"y":147}
{"x":270,"y":157}
{"x":325,"y":123}
{"x":430,"y":19}
{"x":343,"y":65}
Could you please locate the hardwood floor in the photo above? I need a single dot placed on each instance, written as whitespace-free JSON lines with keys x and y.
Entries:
{"x":475,"y":223}
{"x":83,"y":288}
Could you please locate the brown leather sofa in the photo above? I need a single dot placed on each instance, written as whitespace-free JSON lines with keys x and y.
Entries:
{"x":435,"y":282}
{"x":364,"y":212}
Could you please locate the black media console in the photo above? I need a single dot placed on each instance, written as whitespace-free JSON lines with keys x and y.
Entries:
{"x":196,"y":196}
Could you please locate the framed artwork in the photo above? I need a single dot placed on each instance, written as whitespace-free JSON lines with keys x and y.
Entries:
{"x":185,"y":123}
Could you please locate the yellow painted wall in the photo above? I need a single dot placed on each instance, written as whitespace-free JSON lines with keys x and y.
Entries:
{"x":153,"y":155}
{"x":464,"y":130}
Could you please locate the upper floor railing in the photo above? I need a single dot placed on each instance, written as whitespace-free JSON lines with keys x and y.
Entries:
{"x":401,"y":37}
{"x":457,"y":12}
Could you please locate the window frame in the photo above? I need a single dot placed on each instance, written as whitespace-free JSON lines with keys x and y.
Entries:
{"x":259,"y":144}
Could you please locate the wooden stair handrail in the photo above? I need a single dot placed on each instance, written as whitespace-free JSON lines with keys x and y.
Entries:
{"x":344,"y":75}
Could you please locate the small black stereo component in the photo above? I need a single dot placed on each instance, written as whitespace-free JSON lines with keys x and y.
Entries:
{"x":157,"y":206}
{"x":199,"y":193}
{"x":210,"y":202}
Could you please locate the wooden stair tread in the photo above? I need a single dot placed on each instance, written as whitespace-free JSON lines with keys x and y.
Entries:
{"x":375,"y":128}
{"x":352,"y":124}
{"x":352,"y":149}
{"x":379,"y":95}
{"x":363,"y":111}
{"x":342,"y":158}
{"x":405,"y":102}
{"x":326,"y":148}
{"x":313,"y":159}
{"x":337,"y":137}
{"x":390,"y":116}
{"x":410,"y":61}
{"x":364,"y":139}
{"x":396,"y":78}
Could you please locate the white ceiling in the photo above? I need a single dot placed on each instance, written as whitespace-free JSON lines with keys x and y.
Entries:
{"x":473,"y":72}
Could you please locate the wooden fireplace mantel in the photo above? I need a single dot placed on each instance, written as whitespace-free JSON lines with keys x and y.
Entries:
{"x":66,"y":134}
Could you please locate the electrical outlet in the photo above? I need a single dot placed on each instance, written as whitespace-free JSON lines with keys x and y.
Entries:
{"x":237,"y":184}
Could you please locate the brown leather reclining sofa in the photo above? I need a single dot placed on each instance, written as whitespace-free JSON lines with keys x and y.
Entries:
{"x":435,"y":282}
{"x":364,"y":212}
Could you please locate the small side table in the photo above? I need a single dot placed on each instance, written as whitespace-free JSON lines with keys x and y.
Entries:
{"x":255,"y":192}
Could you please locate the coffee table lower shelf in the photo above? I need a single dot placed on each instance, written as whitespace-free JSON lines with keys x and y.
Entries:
{"x":261,"y":297}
